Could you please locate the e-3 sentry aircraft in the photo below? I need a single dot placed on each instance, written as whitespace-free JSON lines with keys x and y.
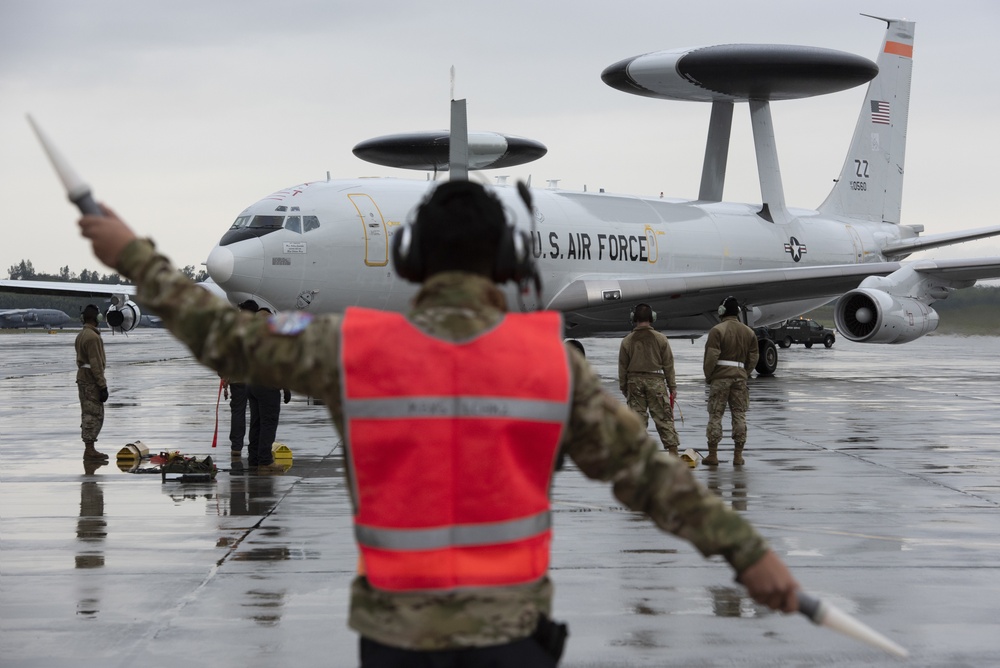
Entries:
{"x":325,"y":245}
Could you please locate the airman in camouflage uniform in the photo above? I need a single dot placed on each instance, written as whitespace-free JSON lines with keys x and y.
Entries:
{"x":646,"y":376}
{"x":91,"y":384}
{"x":602,"y":436}
{"x":730,"y":354}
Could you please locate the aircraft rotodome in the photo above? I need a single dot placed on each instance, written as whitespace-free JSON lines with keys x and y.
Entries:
{"x":325,"y":245}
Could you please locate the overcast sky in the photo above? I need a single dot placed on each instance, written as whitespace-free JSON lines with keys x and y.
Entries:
{"x":181,"y":113}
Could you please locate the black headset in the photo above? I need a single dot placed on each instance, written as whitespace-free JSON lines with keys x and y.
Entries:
{"x":514,"y":260}
{"x":631,"y":314}
{"x":90,"y":311}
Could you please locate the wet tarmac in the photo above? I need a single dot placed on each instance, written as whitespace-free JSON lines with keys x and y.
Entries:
{"x":873,"y":470}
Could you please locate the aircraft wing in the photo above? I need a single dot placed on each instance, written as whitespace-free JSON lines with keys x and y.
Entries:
{"x":67,"y":289}
{"x":71,"y":289}
{"x":697,"y":293}
{"x":689,"y":294}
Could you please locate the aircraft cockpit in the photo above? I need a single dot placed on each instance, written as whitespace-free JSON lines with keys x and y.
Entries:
{"x":253,"y":226}
{"x":301,"y":224}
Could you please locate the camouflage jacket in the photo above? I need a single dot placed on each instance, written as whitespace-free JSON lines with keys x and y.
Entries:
{"x":90,"y":360}
{"x":646,"y":351}
{"x":730,"y":340}
{"x":603,"y":437}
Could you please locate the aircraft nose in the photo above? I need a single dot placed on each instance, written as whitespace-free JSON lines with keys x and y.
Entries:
{"x":220,"y":264}
{"x":238,"y":267}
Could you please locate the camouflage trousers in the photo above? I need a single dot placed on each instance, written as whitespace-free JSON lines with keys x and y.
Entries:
{"x":91,"y":410}
{"x":731,"y":392}
{"x":649,"y":394}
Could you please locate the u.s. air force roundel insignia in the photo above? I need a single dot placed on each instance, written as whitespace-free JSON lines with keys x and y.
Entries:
{"x":289,"y":323}
{"x":795,"y":249}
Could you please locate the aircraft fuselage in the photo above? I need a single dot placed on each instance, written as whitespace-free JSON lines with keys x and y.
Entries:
{"x":32,"y":317}
{"x":323,"y":246}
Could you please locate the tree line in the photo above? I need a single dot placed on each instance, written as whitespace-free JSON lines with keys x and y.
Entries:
{"x":25,"y":271}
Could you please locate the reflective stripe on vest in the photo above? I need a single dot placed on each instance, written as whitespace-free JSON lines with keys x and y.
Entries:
{"x":459,"y":407}
{"x":432,"y":539}
{"x":451,"y":447}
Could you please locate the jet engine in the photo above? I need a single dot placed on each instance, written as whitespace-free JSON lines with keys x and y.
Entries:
{"x":874,"y":316}
{"x":123,"y":314}
{"x":895,"y":308}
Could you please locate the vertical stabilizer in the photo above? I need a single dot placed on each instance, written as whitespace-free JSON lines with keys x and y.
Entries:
{"x":871,"y":181}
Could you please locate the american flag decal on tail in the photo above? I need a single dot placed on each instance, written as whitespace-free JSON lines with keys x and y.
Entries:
{"x":880,"y":112}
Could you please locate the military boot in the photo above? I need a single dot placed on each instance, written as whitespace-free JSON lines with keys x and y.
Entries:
{"x":713,"y":456}
{"x":738,"y":455}
{"x":90,"y":452}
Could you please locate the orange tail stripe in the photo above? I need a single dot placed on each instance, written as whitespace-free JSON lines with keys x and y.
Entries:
{"x":899,"y":49}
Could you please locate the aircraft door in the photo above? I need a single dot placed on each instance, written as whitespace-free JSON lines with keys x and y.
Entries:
{"x":652,"y":249}
{"x":376,"y":238}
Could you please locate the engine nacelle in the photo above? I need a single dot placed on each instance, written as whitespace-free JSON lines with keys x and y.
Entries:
{"x":123,"y":314}
{"x":868,"y":315}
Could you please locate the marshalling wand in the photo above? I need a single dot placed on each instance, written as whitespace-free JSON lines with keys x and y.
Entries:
{"x":823,"y":613}
{"x":76,"y":189}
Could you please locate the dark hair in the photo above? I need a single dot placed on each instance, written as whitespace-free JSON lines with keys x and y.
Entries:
{"x":643,"y":313}
{"x":460,"y":228}
{"x":90,"y":313}
{"x":731,"y":306}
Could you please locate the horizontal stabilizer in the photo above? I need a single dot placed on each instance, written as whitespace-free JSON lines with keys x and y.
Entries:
{"x":966,"y":269}
{"x":907,"y":246}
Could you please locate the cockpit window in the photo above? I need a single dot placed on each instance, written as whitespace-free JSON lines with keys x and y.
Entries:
{"x":273,"y":222}
{"x":297,"y":224}
{"x":241,"y":222}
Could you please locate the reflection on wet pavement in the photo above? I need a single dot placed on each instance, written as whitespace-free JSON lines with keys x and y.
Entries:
{"x":91,"y":529}
{"x":880,"y":489}
{"x":264,"y":607}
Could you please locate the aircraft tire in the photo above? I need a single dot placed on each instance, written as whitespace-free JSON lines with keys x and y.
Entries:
{"x":767,"y":363}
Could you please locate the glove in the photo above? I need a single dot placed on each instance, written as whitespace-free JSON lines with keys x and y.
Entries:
{"x":104,"y":394}
{"x":288,"y":395}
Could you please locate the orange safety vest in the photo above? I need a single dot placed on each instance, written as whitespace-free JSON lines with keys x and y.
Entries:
{"x":452,"y":448}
